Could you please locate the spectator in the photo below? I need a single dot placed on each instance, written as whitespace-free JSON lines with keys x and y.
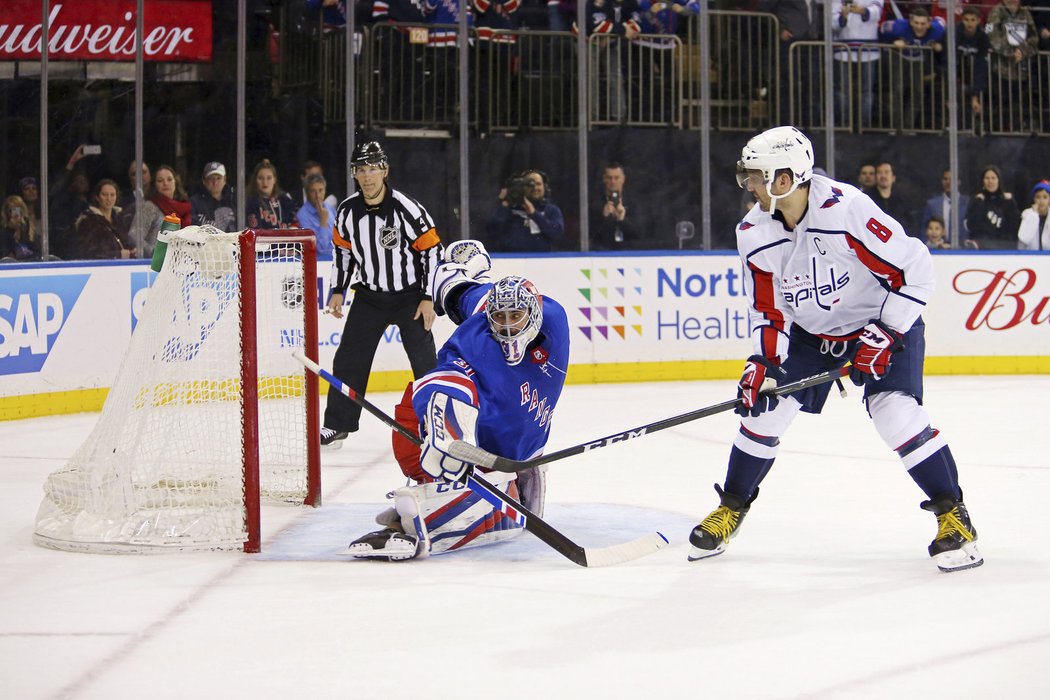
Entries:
{"x":333,"y":12}
{"x":1041,"y":15}
{"x":866,"y":176}
{"x":561,"y":15}
{"x":442,"y":89}
{"x":214,"y":206}
{"x":941,"y":206}
{"x":939,"y":8}
{"x":30,"y":193}
{"x":170,"y":196}
{"x":993,"y":216}
{"x":894,"y":204}
{"x":795,"y":25}
{"x":1034,"y":231}
{"x":496,"y":94}
{"x":67,"y":200}
{"x":611,"y":229}
{"x":660,"y":22}
{"x":919,"y":42}
{"x":972,"y":46}
{"x":617,"y":21}
{"x":935,"y":238}
{"x":139,"y":229}
{"x":312,"y":167}
{"x":856,"y":23}
{"x":399,"y":96}
{"x":97,"y":235}
{"x":317,"y":214}
{"x":1014,"y":41}
{"x":268,"y":206}
{"x":18,"y":239}
{"x":128,"y":198}
{"x":525,"y":222}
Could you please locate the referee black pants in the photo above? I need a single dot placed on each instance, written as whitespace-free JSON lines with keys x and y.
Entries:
{"x":369,"y":316}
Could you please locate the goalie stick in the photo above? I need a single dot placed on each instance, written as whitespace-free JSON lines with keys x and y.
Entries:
{"x":584,"y":556}
{"x":475,"y":455}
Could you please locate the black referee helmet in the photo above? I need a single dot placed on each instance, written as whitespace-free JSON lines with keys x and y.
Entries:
{"x":369,"y":153}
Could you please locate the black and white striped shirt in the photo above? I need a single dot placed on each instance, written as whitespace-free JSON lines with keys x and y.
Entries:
{"x":391,"y":247}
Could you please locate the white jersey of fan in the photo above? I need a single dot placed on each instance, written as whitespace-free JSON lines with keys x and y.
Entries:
{"x":845,"y":263}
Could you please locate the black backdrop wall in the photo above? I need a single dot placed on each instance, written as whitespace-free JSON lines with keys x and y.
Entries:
{"x":663,"y":172}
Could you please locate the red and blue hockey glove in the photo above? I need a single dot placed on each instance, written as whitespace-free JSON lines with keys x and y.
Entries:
{"x":760,"y":374}
{"x":873,"y":355}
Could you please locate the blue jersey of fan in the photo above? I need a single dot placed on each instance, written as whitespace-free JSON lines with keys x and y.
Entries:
{"x":515,"y":402}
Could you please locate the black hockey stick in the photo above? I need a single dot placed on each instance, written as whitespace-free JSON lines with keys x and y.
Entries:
{"x":475,"y":455}
{"x":590,"y":557}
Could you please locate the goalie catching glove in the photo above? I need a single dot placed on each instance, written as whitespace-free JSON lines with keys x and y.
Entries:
{"x":447,"y":419}
{"x":873,"y":355}
{"x":465,"y":263}
{"x":760,"y":374}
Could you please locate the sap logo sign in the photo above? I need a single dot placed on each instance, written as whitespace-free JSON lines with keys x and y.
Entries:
{"x":140,"y":286}
{"x":32,"y":312}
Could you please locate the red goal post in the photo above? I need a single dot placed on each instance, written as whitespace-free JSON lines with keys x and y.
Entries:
{"x":249,"y":244}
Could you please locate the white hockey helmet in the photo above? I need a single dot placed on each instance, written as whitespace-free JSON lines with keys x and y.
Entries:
{"x":779,"y":148}
{"x":515,"y":313}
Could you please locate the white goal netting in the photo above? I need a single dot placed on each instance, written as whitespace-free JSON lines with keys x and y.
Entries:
{"x":164,"y":468}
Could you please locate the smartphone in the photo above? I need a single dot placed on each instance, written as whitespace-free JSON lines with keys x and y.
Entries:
{"x":92,"y":150}
{"x":614,"y":197}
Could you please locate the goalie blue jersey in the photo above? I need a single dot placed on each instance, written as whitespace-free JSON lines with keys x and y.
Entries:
{"x":515,"y":402}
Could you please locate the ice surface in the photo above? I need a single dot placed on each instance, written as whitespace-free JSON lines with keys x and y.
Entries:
{"x":827,"y":593}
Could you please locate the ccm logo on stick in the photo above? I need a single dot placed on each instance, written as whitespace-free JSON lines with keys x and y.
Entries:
{"x":622,"y":437}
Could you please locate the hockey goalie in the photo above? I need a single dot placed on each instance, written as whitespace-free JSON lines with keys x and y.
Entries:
{"x":496,"y":385}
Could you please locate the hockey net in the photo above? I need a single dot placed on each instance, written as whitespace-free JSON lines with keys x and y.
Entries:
{"x":209,"y":413}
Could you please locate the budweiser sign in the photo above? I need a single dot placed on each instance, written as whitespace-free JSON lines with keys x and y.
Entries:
{"x":1005,"y":298}
{"x":104,"y":30}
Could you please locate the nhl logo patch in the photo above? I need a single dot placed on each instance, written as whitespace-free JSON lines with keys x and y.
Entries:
{"x":389,"y":237}
{"x":539,"y":355}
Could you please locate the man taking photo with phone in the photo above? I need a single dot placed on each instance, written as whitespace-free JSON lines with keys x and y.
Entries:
{"x":611,"y":229}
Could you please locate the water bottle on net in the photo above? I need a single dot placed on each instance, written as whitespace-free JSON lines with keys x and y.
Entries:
{"x":171,"y":223}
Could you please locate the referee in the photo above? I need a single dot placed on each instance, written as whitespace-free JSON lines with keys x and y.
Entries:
{"x":385,"y":248}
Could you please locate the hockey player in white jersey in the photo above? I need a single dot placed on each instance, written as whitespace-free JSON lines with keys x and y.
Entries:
{"x":830,"y":279}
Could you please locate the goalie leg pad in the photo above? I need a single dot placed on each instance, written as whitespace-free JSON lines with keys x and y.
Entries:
{"x":532,"y":485}
{"x":445,"y":517}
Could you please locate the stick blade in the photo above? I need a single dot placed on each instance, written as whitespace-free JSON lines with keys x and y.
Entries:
{"x":620,"y":553}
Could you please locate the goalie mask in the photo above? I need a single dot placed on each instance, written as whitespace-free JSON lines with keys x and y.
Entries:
{"x":515,"y":312}
{"x":780,"y":148}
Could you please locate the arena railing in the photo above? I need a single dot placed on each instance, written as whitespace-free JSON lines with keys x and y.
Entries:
{"x":526,"y":79}
{"x":744,"y":71}
{"x":332,"y":74}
